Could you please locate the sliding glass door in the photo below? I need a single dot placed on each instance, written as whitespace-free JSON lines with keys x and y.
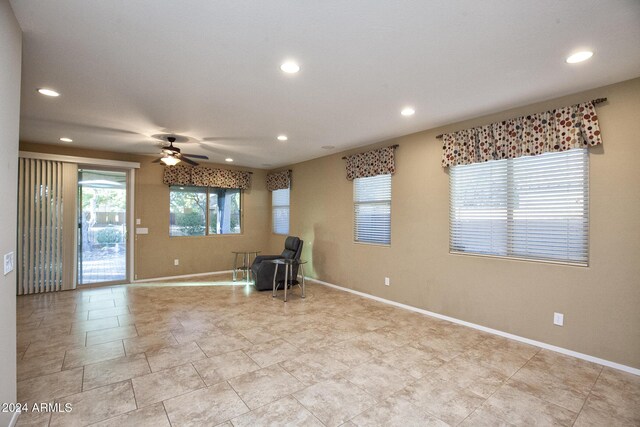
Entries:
{"x":102,"y":226}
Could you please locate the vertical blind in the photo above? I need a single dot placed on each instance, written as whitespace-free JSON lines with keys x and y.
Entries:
{"x":532,"y":207}
{"x":372,"y":209}
{"x":40,"y":217}
{"x":280,"y":211}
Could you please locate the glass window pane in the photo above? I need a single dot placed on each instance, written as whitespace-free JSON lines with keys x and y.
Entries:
{"x":187,"y":211}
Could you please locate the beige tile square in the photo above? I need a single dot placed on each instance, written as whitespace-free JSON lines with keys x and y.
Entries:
{"x":207,"y":406}
{"x":335,"y":401}
{"x":599,"y":411}
{"x":265,"y":385}
{"x":575,"y":373}
{"x":94,"y":354}
{"x":520,"y":408}
{"x":351,"y":353}
{"x":47,"y":363}
{"x":396,"y":412}
{"x":313,"y":367}
{"x":616,"y":394}
{"x":284,"y":412}
{"x":34,"y":419}
{"x":411,"y":360}
{"x":168,"y":357}
{"x":95,"y":325}
{"x":111,"y":334}
{"x":445,"y":400}
{"x":470,"y":374}
{"x":484,"y":418}
{"x":271,"y":352}
{"x":224,"y":366}
{"x":101,"y":313}
{"x":222,"y":343}
{"x":49,"y":387}
{"x":95,"y":405}
{"x":150,"y":416}
{"x":59,"y":343}
{"x":546,"y":386}
{"x":185,"y":336}
{"x":152,"y":388}
{"x":114,"y":370}
{"x":377,"y":378}
{"x":142,"y":344}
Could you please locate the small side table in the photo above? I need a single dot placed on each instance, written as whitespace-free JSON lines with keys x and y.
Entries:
{"x":288,"y":271}
{"x":246,"y":263}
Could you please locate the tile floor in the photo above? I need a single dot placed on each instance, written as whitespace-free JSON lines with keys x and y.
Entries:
{"x":204,"y":353}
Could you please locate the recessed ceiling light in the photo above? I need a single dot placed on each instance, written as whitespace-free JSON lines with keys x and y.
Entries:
{"x":47,"y":92}
{"x":290,"y":67}
{"x":66,"y":139}
{"x":328,"y":147}
{"x":408,"y":111}
{"x":282,"y":137}
{"x":579,"y":56}
{"x":228,"y":159}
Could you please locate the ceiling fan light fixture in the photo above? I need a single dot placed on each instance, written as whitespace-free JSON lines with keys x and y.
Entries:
{"x":170,"y":160}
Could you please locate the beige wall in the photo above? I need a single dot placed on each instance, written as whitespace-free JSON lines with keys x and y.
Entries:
{"x":155,"y":252}
{"x":10,"y":55}
{"x":601,"y":303}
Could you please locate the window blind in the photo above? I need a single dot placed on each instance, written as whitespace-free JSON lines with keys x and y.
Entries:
{"x":372,"y":209}
{"x":280,"y":211}
{"x":533,"y":207}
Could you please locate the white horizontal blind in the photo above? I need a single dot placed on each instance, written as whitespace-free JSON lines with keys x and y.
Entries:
{"x":533,"y":207}
{"x":280,"y":211}
{"x":372,"y":209}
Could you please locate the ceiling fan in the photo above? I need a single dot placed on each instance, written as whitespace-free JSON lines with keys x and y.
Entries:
{"x":172,"y":156}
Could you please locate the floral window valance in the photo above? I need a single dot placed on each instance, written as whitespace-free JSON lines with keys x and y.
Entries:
{"x":278,"y":180}
{"x":371,"y":163}
{"x":556,"y":130}
{"x":200,"y":176}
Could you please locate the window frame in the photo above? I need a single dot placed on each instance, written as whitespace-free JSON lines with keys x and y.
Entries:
{"x":273,"y":209}
{"x":208,"y":193}
{"x":508,"y":224}
{"x":385,"y":202}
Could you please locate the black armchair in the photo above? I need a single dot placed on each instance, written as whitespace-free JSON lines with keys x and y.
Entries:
{"x":263,"y":271}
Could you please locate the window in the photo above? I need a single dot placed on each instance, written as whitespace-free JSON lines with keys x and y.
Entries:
{"x":372,"y":209}
{"x":280,"y":211}
{"x":534,"y":207}
{"x":199,"y":211}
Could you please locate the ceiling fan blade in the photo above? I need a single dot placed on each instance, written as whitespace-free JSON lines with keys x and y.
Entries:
{"x":195,"y":156}
{"x":186,"y":160}
{"x":157,"y":160}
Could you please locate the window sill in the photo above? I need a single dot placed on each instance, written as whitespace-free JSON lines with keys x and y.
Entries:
{"x":511,"y":258}
{"x":382,"y":245}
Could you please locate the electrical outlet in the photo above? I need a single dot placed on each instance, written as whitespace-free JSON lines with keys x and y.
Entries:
{"x":176,"y":261}
{"x":558,"y":319}
{"x":8,"y":263}
{"x":386,"y":281}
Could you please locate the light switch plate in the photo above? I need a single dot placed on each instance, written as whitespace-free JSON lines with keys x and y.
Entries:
{"x":558,"y":319}
{"x":138,"y":221}
{"x":9,"y":262}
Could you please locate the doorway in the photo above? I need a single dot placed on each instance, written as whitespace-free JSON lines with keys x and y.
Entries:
{"x":102,"y":226}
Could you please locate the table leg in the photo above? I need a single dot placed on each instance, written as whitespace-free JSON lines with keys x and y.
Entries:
{"x":246,"y":267}
{"x":275,"y":273}
{"x":286,"y":280}
{"x":235,"y":267}
{"x":302,"y":271}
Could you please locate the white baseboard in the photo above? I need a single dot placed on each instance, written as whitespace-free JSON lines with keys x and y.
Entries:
{"x":184,"y":276}
{"x":540,"y":344}
{"x":14,"y":419}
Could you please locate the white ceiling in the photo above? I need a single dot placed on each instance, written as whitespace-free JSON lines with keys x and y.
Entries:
{"x":128,"y":69}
